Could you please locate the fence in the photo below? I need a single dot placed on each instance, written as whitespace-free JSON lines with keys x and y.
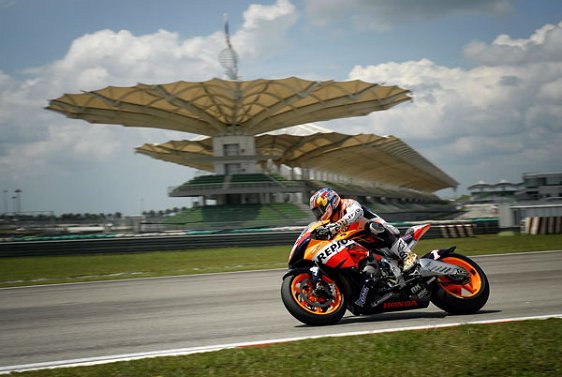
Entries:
{"x":543,"y":225}
{"x":212,"y":239}
{"x":457,"y":230}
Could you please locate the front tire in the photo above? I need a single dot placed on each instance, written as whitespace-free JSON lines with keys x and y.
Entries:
{"x":461,"y":298}
{"x":297,"y":293}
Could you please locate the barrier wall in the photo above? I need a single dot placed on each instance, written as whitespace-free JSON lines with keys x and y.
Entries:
{"x":456,"y":230}
{"x":543,"y":225}
{"x":44,"y":246}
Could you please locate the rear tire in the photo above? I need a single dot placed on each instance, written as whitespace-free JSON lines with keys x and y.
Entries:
{"x":315,"y":310}
{"x":462,"y":298}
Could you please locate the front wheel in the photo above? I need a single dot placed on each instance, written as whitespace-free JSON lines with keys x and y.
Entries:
{"x":315,"y":306}
{"x":465,"y":297}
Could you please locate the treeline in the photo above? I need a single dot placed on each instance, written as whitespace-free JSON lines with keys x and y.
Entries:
{"x":64,"y":216}
{"x":161,"y":213}
{"x":48,"y":216}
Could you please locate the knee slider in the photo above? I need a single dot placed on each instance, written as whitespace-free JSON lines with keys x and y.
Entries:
{"x":376,"y":228}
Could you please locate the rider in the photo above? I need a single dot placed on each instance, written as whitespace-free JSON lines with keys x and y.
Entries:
{"x":326,"y":204}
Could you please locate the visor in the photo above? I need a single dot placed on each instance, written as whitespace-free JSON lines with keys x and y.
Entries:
{"x":317,"y":212}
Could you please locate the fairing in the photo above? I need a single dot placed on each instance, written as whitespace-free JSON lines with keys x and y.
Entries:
{"x":340,"y":252}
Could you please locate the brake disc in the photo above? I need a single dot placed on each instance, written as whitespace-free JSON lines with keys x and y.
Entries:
{"x":310,"y":297}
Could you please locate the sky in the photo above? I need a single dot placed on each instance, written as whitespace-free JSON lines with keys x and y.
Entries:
{"x":486,"y":77}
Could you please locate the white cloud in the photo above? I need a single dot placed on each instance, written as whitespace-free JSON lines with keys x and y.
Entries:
{"x":501,"y":118}
{"x":505,"y":116}
{"x":35,"y":139}
{"x":383,"y":15}
{"x":263,"y":32}
{"x":121,"y":58}
{"x":541,"y":47}
{"x":35,"y":143}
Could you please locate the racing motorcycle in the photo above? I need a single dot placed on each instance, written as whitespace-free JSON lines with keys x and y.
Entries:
{"x":328,"y":276}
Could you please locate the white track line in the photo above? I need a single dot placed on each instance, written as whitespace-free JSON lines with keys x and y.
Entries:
{"x":192,"y":350}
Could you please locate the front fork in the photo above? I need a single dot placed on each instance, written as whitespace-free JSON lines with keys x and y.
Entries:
{"x":320,"y":288}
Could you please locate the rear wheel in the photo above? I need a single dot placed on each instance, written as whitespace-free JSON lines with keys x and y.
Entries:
{"x":464,"y":297}
{"x":310,"y":304}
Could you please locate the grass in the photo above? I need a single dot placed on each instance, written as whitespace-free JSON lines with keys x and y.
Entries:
{"x":530,"y":348}
{"x":63,"y":269}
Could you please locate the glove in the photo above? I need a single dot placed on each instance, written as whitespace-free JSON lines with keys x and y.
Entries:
{"x":326,"y":232}
{"x":321,"y":233}
{"x":333,"y":228}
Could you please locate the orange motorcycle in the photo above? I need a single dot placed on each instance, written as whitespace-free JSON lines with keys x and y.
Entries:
{"x":350,"y":271}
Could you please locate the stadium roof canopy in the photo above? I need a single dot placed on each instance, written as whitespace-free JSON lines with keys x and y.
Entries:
{"x":221,"y":107}
{"x":368,"y":157}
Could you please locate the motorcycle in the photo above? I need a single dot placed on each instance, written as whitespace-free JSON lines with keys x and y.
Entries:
{"x":350,"y":271}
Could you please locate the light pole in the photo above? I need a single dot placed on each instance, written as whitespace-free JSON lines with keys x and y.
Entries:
{"x":6,"y":210}
{"x":18,"y":200}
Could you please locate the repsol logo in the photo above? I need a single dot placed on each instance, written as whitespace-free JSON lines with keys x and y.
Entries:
{"x":331,"y":250}
{"x":400,"y":304}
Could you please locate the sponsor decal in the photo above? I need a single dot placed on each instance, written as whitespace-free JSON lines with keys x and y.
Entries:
{"x":332,"y":249}
{"x":322,"y":201}
{"x":416,"y":288}
{"x":400,"y":304}
{"x":362,"y":296}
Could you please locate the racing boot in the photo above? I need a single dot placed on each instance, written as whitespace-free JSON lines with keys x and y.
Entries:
{"x":408,"y":257}
{"x":410,"y":263}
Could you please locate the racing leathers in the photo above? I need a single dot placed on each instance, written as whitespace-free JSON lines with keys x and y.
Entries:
{"x":350,"y":211}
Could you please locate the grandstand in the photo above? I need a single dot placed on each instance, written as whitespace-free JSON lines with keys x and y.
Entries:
{"x":262,"y":154}
{"x":241,"y":216}
{"x":326,"y":156}
{"x":251,"y":200}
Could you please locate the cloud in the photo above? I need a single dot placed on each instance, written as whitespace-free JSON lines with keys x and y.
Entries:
{"x":502,"y":117}
{"x":121,"y":58}
{"x":541,"y":47}
{"x":263,"y":32}
{"x":36,"y":144}
{"x":34,"y":139}
{"x":383,"y":15}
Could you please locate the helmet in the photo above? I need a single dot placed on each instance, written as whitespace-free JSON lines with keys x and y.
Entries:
{"x":324,"y":203}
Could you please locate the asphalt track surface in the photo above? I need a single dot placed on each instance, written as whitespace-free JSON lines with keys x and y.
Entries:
{"x":85,"y":321}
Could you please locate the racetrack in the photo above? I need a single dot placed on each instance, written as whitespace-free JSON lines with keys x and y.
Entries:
{"x":43,"y":324}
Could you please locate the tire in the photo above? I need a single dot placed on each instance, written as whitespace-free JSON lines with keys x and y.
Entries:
{"x":311,"y":309}
{"x":461,"y":298}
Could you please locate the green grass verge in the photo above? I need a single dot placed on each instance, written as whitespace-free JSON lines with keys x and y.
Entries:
{"x":49,"y":270}
{"x":530,"y":348}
